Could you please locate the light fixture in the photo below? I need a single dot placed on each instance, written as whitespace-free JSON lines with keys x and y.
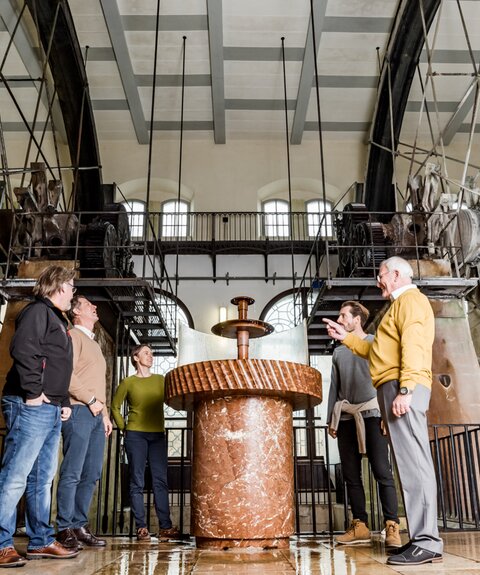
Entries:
{"x":222,"y":314}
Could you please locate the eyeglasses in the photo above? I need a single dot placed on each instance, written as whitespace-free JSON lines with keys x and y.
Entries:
{"x":74,"y":289}
{"x":380,"y":276}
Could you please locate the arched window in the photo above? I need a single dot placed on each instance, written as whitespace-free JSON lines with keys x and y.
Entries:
{"x":174,"y":220}
{"x":281,"y":313}
{"x":136,"y":218}
{"x":276,"y":219}
{"x":319,"y":214}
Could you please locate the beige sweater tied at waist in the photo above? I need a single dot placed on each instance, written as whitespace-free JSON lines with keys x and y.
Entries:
{"x":354,"y":409}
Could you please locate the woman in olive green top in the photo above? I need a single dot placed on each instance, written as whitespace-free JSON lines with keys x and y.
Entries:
{"x":145,"y":440}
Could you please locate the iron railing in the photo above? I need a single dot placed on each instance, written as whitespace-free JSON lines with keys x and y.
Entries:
{"x":318,"y":483}
{"x":237,"y":226}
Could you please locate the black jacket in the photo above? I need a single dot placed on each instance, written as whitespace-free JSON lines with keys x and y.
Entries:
{"x":42,"y":354}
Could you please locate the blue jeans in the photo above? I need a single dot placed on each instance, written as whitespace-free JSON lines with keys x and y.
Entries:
{"x":29,"y":465}
{"x":142,"y":446}
{"x":83,"y":445}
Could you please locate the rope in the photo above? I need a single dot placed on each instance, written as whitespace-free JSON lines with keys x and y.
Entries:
{"x":320,"y":133}
{"x":150,"y":138}
{"x":71,"y":201}
{"x":430,"y":75}
{"x":289,"y":177}
{"x":177,"y":221}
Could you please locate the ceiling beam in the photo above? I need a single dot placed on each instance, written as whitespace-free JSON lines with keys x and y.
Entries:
{"x":31,"y":61}
{"x":113,"y":21}
{"x":215,"y":40}
{"x":308,"y":71}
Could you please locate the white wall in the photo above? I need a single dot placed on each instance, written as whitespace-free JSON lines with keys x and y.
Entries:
{"x":228,"y":177}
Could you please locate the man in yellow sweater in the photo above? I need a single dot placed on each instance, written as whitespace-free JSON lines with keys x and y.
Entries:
{"x":400,"y":359}
{"x":84,"y":436}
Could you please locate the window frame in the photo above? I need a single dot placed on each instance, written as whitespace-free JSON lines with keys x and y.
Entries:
{"x":326,"y":229}
{"x":282,"y":220}
{"x":133,"y":215}
{"x":164,"y":215}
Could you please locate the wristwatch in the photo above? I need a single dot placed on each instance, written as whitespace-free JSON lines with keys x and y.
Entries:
{"x":92,"y":401}
{"x":404,"y":391}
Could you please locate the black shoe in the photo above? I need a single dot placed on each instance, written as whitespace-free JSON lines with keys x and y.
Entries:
{"x":398,"y":550}
{"x":84,"y":535}
{"x":68,"y":539}
{"x":415,"y":555}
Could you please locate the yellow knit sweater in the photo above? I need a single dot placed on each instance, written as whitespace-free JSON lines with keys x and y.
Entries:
{"x":402,"y":348}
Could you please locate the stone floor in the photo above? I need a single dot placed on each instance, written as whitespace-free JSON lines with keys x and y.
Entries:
{"x":307,"y":555}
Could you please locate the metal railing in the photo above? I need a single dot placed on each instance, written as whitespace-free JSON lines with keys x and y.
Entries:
{"x":234,"y":226}
{"x":456,"y":453}
{"x":318,"y":483}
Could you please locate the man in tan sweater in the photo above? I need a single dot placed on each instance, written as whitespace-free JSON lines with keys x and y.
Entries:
{"x":84,"y":436}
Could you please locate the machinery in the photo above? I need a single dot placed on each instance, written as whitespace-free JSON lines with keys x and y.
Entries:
{"x":436,"y":225}
{"x":101,"y":242}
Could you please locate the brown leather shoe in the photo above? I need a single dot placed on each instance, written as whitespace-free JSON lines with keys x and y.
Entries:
{"x":143,"y":534}
{"x":53,"y":551}
{"x":84,"y":535}
{"x":167,"y":534}
{"x":68,"y":539}
{"x":10,"y":558}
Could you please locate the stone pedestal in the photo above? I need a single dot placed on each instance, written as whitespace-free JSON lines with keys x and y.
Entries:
{"x":243,"y":472}
{"x":242,"y":476}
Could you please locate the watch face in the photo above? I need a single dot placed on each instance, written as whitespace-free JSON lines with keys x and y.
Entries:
{"x":404,"y":391}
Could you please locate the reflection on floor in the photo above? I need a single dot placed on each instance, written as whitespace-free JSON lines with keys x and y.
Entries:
{"x":307,"y":555}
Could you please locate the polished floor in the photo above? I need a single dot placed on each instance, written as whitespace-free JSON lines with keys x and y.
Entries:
{"x":306,"y":556}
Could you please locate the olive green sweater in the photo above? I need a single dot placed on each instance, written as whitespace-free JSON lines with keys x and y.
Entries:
{"x":144,"y":396}
{"x":402,"y":348}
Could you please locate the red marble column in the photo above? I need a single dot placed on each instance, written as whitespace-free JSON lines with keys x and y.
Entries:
{"x":242,"y":476}
{"x":242,"y":491}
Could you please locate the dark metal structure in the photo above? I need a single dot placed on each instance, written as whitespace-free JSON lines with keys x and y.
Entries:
{"x":59,"y":39}
{"x":407,"y":39}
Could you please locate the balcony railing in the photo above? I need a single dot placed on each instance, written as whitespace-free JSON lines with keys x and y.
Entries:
{"x":229,"y":226}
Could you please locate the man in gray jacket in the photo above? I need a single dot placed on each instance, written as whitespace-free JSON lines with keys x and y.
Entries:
{"x":354,"y":419}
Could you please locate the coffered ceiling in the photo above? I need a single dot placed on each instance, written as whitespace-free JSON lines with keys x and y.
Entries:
{"x":234,"y":72}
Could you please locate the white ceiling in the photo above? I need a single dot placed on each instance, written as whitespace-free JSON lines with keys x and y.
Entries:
{"x":234,"y":71}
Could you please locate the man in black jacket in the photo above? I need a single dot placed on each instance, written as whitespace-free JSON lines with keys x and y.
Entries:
{"x":35,"y":401}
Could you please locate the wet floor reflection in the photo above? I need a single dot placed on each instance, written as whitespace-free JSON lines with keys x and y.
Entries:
{"x":306,"y":556}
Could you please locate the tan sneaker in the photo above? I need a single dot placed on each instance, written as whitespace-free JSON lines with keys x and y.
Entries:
{"x":392,"y":534}
{"x":357,"y":533}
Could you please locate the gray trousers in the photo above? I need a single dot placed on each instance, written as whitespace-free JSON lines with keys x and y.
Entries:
{"x":408,"y":436}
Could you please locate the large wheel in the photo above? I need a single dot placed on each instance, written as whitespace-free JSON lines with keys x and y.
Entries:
{"x":116,"y":214}
{"x":370,"y":249}
{"x":345,"y":223}
{"x":98,"y":253}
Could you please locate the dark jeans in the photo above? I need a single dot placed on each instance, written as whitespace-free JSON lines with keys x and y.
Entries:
{"x":29,"y":465}
{"x":142,"y":446}
{"x":351,"y":460}
{"x":83,"y":445}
